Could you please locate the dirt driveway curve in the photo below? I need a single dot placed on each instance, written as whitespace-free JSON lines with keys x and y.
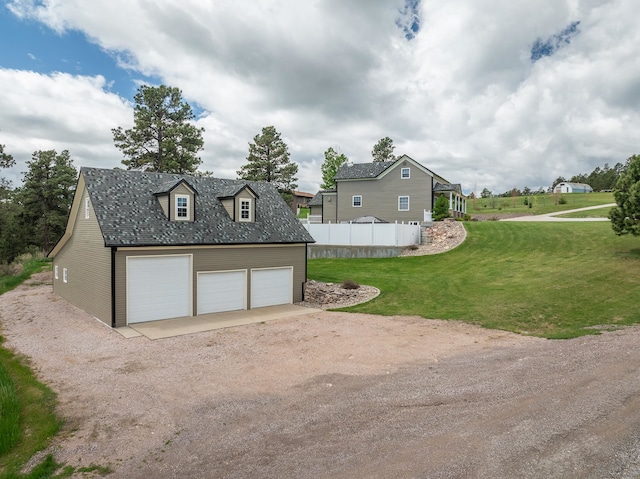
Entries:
{"x":334,"y":395}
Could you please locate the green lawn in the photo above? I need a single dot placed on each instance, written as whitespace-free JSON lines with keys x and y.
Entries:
{"x":541,"y":204}
{"x":597,"y":213}
{"x":553,"y":280}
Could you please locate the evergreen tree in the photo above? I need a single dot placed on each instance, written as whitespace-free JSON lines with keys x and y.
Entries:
{"x":269,"y":161}
{"x":383,"y":150}
{"x":162,"y":138}
{"x":46,"y":197}
{"x":441,"y":208}
{"x":332,"y":162}
{"x":11,"y":241}
{"x":625,"y":218}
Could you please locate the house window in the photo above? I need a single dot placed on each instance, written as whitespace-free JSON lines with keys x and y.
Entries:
{"x":64,"y":275}
{"x":403,"y":203}
{"x":245,"y":210}
{"x":55,"y":271}
{"x":86,"y":208}
{"x":405,"y":173}
{"x":357,"y":201}
{"x":182,"y":207}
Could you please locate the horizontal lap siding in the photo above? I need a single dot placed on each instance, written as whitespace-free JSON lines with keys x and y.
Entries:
{"x":380,"y":196}
{"x":88,"y":263}
{"x":219,"y":259}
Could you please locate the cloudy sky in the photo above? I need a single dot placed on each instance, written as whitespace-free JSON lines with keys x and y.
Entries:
{"x":487,"y":93}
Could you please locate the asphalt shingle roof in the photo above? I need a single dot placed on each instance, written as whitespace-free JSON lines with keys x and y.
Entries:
{"x":448,"y":187}
{"x":353,"y":171}
{"x":129,"y":213}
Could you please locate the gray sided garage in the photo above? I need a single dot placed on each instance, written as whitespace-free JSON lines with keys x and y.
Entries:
{"x":146,"y":246}
{"x":153,"y":285}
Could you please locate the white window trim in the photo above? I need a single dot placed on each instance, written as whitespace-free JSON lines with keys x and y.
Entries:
{"x":353,"y":201}
{"x":182,"y":218}
{"x":408,"y":203}
{"x":402,"y":170}
{"x":55,"y":272}
{"x":65,"y":277}
{"x":86,"y":208}
{"x":248,"y":200}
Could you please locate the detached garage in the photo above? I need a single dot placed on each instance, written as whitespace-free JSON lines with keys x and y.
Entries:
{"x":145,"y":246}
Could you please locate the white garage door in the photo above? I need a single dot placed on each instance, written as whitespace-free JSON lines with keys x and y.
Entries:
{"x":158,"y":287}
{"x":222,"y":291}
{"x":271,"y":286}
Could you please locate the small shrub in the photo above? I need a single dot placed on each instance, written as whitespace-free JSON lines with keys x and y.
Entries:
{"x":562,"y":200}
{"x":526,"y":201}
{"x":349,"y":284}
{"x":12,"y":269}
{"x":441,"y":208}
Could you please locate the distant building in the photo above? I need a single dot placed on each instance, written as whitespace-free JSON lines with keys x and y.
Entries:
{"x":300,"y":199}
{"x":568,"y":187}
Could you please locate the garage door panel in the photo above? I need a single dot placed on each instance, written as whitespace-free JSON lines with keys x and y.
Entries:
{"x":270,"y":287}
{"x":222,"y":291}
{"x":158,"y":287}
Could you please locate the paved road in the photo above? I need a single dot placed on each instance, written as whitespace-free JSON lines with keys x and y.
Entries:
{"x":554,"y":216}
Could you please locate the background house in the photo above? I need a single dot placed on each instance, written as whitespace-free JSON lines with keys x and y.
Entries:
{"x":568,"y":187}
{"x":300,"y":199}
{"x":400,"y":190}
{"x":147,"y":246}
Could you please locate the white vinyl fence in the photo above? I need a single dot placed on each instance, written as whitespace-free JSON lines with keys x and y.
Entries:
{"x":368,"y":234}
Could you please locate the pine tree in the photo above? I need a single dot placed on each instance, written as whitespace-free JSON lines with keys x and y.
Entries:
{"x":269,"y":161}
{"x":383,"y":150}
{"x":46,"y":196}
{"x":162,"y":138}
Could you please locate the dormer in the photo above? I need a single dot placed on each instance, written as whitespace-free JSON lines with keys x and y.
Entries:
{"x":178,"y":200}
{"x":240,"y":204}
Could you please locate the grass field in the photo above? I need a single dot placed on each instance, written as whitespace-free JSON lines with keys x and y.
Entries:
{"x":554,"y":280}
{"x":597,"y":213}
{"x":541,"y":204}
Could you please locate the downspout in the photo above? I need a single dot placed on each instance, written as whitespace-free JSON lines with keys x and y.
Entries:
{"x":306,"y":259}
{"x":113,"y":286}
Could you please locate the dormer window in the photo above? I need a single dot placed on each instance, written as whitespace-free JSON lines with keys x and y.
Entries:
{"x":182,"y":207}
{"x":245,"y":209}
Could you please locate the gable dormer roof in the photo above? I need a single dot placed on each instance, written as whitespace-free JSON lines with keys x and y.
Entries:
{"x":171,"y":185}
{"x":129,"y":214}
{"x":231,"y":191}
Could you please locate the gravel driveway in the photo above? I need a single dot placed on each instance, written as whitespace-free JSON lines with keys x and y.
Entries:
{"x":333,"y":395}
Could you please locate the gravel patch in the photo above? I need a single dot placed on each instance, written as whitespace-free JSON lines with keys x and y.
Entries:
{"x":333,"y":394}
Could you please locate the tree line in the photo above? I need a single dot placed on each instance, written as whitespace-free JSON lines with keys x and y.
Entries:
{"x":600,"y":179}
{"x":163,"y":139}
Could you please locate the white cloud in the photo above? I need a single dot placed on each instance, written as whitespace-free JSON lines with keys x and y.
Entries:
{"x":462,"y":96}
{"x":58,"y":111}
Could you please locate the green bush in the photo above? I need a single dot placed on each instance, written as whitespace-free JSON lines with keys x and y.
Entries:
{"x":562,"y":200}
{"x":441,"y":209}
